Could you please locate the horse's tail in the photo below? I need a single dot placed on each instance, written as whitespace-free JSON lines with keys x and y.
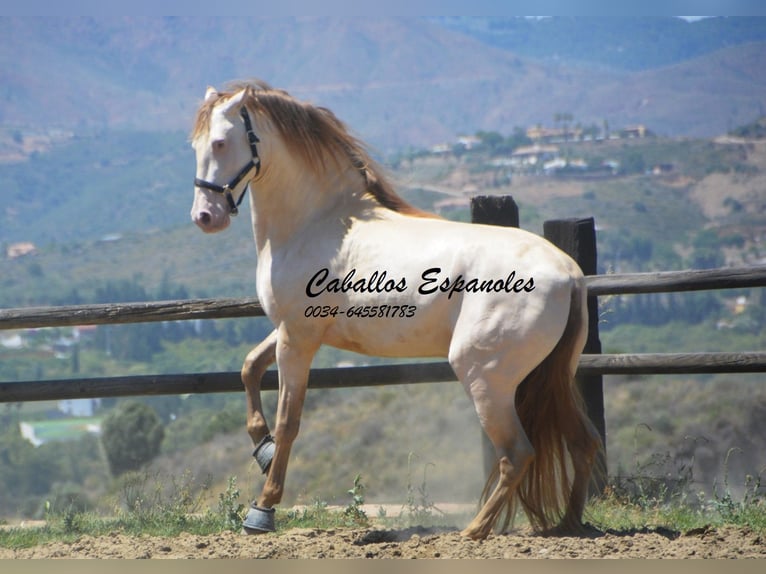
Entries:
{"x":553,"y":415}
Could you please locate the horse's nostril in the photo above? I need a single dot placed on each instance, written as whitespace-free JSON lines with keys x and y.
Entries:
{"x":204,"y":218}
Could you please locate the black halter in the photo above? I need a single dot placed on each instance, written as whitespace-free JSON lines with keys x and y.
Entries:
{"x":255,"y":162}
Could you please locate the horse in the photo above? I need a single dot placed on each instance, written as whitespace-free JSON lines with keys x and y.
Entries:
{"x":343,"y":260}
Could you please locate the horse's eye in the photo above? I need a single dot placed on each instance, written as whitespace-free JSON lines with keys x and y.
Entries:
{"x":218,"y":145}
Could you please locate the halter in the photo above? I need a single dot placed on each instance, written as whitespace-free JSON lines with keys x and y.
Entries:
{"x":255,"y":162}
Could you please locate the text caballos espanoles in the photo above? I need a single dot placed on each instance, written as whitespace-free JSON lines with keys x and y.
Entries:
{"x":432,"y":281}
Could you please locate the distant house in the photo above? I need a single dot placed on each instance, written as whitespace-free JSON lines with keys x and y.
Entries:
{"x":16,"y":250}
{"x":554,"y":165}
{"x":79,"y":407}
{"x":28,"y":432}
{"x":534,"y":155}
{"x":84,"y":331}
{"x":461,"y":143}
{"x":740,"y":305}
{"x":468,"y":142}
{"x":441,"y":148}
{"x":541,"y":134}
{"x":12,"y":341}
{"x":637,"y":131}
{"x":662,"y":169}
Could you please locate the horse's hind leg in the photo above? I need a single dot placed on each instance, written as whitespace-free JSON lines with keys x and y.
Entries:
{"x":511,"y":469}
{"x":494,"y":403}
{"x":584,"y":445}
{"x":253,"y":369}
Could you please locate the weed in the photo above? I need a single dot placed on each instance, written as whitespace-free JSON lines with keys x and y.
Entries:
{"x":72,"y":522}
{"x":751,"y":508}
{"x":354,"y":511}
{"x":156,"y":503}
{"x":230,"y":510}
{"x":316,"y":515}
{"x":419,"y":507}
{"x":660,"y":479}
{"x":659,"y":496}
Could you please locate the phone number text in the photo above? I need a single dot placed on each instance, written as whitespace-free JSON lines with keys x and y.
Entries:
{"x":361,"y":311}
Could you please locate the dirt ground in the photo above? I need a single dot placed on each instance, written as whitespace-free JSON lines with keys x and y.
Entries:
{"x":418,"y":542}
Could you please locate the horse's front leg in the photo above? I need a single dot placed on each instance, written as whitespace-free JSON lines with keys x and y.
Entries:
{"x":253,"y":369}
{"x":293,"y":363}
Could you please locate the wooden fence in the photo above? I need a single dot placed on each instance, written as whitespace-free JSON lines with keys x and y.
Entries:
{"x":575,"y":236}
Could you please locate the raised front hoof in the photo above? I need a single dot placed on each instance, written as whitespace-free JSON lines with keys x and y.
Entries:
{"x":258,"y":520}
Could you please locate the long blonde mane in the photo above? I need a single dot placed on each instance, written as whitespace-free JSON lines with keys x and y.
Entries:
{"x":315,"y":134}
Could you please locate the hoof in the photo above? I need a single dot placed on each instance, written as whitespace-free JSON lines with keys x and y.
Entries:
{"x":264,"y":452}
{"x":475,"y":533}
{"x":571,"y":529}
{"x":258,"y":520}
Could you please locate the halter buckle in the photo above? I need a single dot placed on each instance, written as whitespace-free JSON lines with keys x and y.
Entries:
{"x":233,"y":209}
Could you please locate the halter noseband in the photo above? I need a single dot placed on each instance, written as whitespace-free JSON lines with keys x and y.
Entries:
{"x":255,"y":162}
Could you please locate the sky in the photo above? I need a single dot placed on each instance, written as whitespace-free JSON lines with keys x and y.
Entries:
{"x":388,"y":8}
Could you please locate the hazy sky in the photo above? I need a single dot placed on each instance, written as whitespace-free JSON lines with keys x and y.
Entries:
{"x":390,"y":7}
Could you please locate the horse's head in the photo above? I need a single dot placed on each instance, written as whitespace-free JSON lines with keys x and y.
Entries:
{"x":227,"y":159}
{"x":306,"y":149}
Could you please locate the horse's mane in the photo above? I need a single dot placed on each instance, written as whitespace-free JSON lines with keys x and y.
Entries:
{"x":314,"y":133}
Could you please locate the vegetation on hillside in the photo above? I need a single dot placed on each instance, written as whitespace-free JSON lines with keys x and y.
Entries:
{"x":753,"y":130}
{"x":131,"y":436}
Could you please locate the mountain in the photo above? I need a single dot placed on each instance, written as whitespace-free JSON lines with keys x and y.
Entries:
{"x":624,"y":43}
{"x":94,"y":113}
{"x":397,"y":82}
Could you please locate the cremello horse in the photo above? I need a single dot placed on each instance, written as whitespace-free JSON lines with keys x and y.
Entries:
{"x":344,"y":261}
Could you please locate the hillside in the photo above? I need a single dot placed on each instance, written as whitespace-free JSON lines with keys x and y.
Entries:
{"x":713,"y":192}
{"x":94,"y":112}
{"x":398,"y":82}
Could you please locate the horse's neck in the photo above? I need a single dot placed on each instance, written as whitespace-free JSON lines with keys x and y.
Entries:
{"x":285,"y":206}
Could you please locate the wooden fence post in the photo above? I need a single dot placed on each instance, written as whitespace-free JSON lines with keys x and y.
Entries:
{"x":577,"y":238}
{"x":493,"y":210}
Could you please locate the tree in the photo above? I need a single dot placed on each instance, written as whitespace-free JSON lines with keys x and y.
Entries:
{"x":490,"y":139}
{"x":26,"y":472}
{"x":131,"y":436}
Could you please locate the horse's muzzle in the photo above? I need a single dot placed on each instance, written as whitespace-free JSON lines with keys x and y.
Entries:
{"x":209,"y":214}
{"x":208,"y":222}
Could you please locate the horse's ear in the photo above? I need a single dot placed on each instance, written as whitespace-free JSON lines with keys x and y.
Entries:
{"x":210,"y":93}
{"x":233,"y":103}
{"x":237,"y":99}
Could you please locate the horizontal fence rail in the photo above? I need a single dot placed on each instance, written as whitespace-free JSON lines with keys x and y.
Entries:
{"x":370,"y":376}
{"x":112,"y":313}
{"x":667,"y":281}
{"x":119,"y":313}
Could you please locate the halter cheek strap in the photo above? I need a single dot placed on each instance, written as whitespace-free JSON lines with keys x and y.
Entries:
{"x":228,"y":190}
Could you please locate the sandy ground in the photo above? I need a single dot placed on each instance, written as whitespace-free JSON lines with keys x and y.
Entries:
{"x":417,"y":542}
